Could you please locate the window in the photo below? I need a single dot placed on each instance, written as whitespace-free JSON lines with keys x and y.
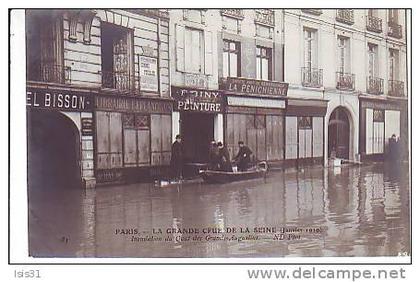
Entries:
{"x":393,"y":15}
{"x":309,"y":48}
{"x":117,"y":67}
{"x":305,"y":122}
{"x":136,"y":133}
{"x":372,"y":60}
{"x":393,"y":64}
{"x":264,"y":63}
{"x":231,"y":59}
{"x":194,"y":50}
{"x":343,"y":54}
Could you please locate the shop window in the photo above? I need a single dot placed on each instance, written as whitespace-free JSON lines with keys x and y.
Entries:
{"x":116,"y":56}
{"x":305,"y":137}
{"x":109,"y":140}
{"x":375,"y":131}
{"x":231,"y":59}
{"x":264,"y":63}
{"x":136,"y":131}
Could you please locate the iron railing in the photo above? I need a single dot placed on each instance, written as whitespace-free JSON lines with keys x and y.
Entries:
{"x":49,"y":73}
{"x":345,"y":16}
{"x":312,"y":77}
{"x":345,"y":81}
{"x":375,"y":85}
{"x":120,"y":81}
{"x":374,"y":24}
{"x":395,"y":30}
{"x":396,"y":88}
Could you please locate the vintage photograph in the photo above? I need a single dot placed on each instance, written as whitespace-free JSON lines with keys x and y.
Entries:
{"x":218,"y":133}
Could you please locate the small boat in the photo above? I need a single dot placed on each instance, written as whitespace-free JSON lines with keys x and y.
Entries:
{"x":215,"y":176}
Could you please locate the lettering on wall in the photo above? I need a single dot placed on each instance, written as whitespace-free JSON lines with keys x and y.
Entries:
{"x":254,"y":87}
{"x":197,"y":100}
{"x":58,"y":100}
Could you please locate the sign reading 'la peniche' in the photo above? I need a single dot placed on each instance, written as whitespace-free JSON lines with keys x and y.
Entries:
{"x":254,"y":87}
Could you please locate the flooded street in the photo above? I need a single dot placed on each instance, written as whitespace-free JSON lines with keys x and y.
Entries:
{"x":349,"y":211}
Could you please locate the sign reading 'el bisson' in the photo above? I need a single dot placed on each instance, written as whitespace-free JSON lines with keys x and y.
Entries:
{"x":197,"y":100}
{"x":59,"y":100}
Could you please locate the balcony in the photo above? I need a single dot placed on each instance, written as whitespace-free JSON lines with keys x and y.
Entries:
{"x":375,"y":85}
{"x":311,"y":77}
{"x":119,"y":81}
{"x":49,"y":73}
{"x":374,"y":24}
{"x":345,"y":16}
{"x":345,"y":81}
{"x":394,"y":30}
{"x":396,"y":88}
{"x":316,"y":12}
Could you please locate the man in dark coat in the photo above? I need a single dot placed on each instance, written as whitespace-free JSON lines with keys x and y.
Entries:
{"x":214,"y":156}
{"x":177,"y":158}
{"x":243,"y":158}
{"x":224,"y":158}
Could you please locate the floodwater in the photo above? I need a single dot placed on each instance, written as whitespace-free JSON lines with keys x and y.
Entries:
{"x":348,"y":211}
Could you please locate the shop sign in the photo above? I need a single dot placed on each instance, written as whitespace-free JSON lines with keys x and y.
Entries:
{"x":197,"y":100}
{"x":87,"y":127}
{"x":134,"y":105}
{"x":58,"y":100}
{"x":254,"y":87}
{"x":148,"y":74}
{"x":255,"y":102}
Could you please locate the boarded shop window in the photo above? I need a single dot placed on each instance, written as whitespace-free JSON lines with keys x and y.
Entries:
{"x":375,"y":131}
{"x":109,"y":140}
{"x":305,"y":137}
{"x":136,"y":139}
{"x":161,"y":133}
{"x":264,"y":63}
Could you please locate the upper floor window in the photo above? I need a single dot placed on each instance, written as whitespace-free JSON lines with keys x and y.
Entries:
{"x":393,"y":15}
{"x":117,"y":57}
{"x":232,"y":19}
{"x":310,"y":50}
{"x":343,"y":44}
{"x":393,"y":64}
{"x":194,"y":50}
{"x":231,"y":59}
{"x":372,"y":60}
{"x":264,"y":63}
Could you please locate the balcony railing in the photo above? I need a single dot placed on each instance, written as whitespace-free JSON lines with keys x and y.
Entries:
{"x":396,"y":88}
{"x":316,"y":12}
{"x":345,"y":16}
{"x":311,"y":77}
{"x":395,"y":30}
{"x":49,"y":73}
{"x":345,"y":81}
{"x":375,"y":85}
{"x":374,"y":24}
{"x":120,"y":81}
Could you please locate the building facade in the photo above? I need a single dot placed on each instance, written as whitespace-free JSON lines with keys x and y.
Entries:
{"x":109,"y":89}
{"x":353,"y":62}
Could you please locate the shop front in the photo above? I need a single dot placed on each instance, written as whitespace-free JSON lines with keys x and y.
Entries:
{"x":60,"y":138}
{"x":305,"y":131}
{"x":133,"y":138}
{"x":255,"y":114}
{"x":379,"y":120}
{"x":200,"y":120}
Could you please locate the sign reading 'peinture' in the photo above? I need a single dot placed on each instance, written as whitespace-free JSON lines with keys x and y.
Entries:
{"x":197,"y":100}
{"x":254,"y":87}
{"x":59,"y":100}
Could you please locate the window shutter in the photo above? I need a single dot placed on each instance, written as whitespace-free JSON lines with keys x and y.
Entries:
{"x":180,"y":54}
{"x":208,"y":55}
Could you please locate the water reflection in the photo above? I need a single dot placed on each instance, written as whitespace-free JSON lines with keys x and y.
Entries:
{"x":361,"y":211}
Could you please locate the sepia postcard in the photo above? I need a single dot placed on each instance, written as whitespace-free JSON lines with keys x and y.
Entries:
{"x":218,"y":133}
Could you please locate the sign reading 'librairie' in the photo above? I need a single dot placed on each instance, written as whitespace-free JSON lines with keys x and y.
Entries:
{"x":130,"y":104}
{"x":59,"y":100}
{"x":197,"y":100}
{"x":254,"y":87}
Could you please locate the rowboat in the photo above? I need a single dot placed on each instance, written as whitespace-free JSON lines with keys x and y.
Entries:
{"x":214,"y":176}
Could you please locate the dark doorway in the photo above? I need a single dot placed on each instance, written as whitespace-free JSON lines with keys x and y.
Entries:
{"x":197,"y":132}
{"x":339,"y":134}
{"x":53,"y":151}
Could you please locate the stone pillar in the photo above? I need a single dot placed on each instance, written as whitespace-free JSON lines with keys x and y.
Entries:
{"x":218,"y":127}
{"x":175,"y":125}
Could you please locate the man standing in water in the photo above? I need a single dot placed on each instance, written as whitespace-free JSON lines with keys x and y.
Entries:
{"x":177,"y":160}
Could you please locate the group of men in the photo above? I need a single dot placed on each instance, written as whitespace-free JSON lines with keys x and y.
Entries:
{"x":219,"y":158}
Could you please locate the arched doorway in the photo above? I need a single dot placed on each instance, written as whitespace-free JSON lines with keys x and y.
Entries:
{"x":339,"y":134}
{"x":53,"y":151}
